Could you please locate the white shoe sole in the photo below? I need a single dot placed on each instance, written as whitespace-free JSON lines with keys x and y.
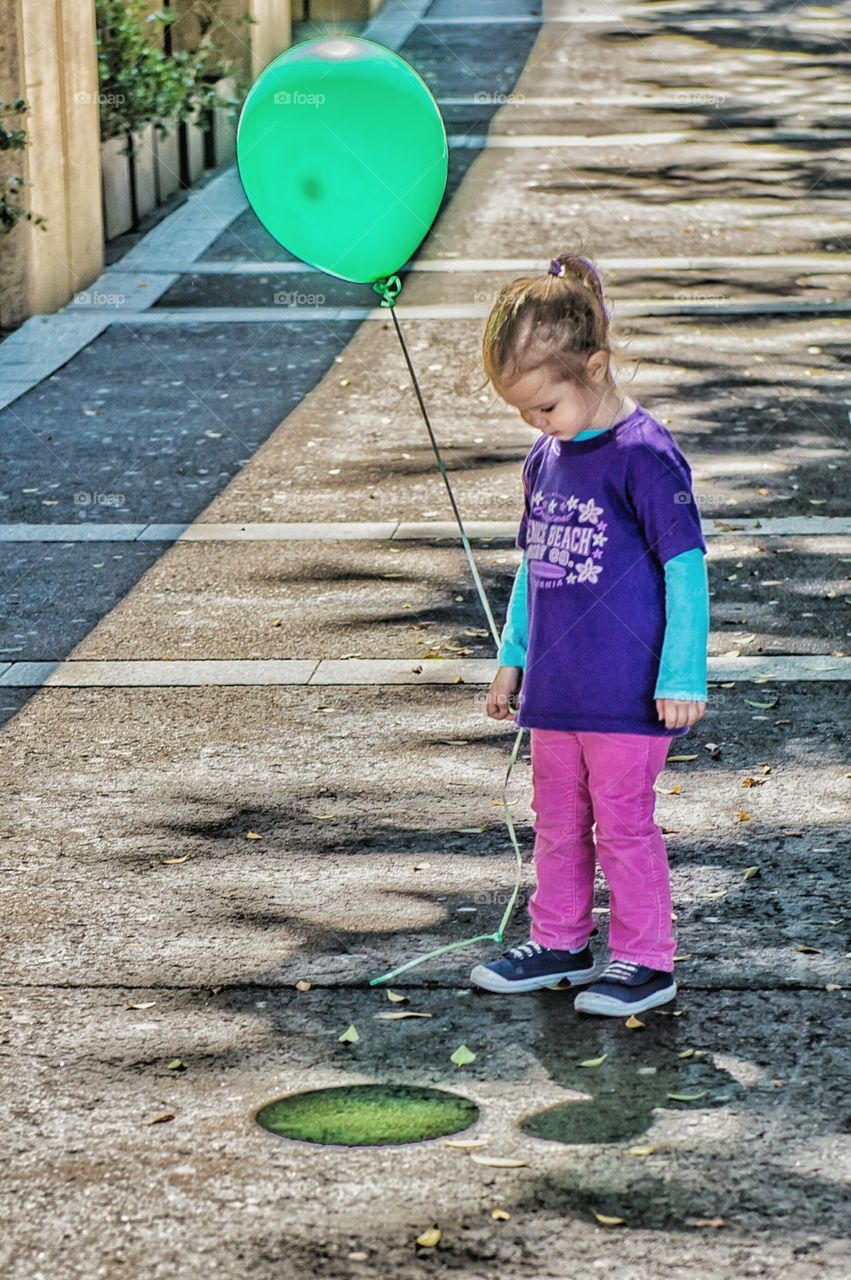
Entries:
{"x":485,"y":978}
{"x":591,"y":1002}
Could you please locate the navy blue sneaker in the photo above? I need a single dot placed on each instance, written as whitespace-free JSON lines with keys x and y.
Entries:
{"x":529,"y":966}
{"x":624,"y":988}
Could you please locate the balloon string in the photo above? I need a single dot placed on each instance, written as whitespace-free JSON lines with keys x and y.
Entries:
{"x":389,"y":289}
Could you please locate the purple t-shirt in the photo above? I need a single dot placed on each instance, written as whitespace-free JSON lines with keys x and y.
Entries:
{"x":602,"y":516}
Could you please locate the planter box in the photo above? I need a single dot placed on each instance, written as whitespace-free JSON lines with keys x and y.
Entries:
{"x":143,"y":171}
{"x":224,"y":128}
{"x":192,"y":151}
{"x":167,"y":164}
{"x":115,"y":171}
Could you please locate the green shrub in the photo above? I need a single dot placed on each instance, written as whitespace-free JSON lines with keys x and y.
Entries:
{"x":11,"y":209}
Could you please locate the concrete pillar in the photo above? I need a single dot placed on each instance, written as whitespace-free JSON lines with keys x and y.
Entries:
{"x":49,"y":58}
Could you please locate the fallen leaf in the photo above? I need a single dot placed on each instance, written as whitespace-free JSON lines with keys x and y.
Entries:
{"x":809,"y":951}
{"x":716,"y":893}
{"x":633,"y":1023}
{"x":499,"y":1162}
{"x":606,"y":1220}
{"x":687,"y":1097}
{"x":462,"y":1056}
{"x":640,"y":1151}
{"x":743,"y":817}
{"x":680,"y":759}
{"x":429,"y":1238}
{"x":403,"y":1013}
{"x":420,"y":866}
{"x":688,"y":955}
{"x":458,"y":680}
{"x":764,"y":706}
{"x":176,"y":1064}
{"x":472,"y":830}
{"x":302,"y":985}
{"x":499,"y":1215}
{"x":706,"y":1222}
{"x":750,"y":872}
{"x":163,"y":1119}
{"x":594,"y":1062}
{"x":350,"y":1035}
{"x":754,"y":782}
{"x":686,"y":1053}
{"x":833,"y":986}
{"x":253,"y":835}
{"x":462,"y":1144}
{"x":145,"y":1004}
{"x":173,"y":862}
{"x":395,"y":997}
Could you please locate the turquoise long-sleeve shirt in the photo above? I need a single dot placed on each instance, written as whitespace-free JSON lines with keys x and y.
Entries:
{"x":683,"y":662}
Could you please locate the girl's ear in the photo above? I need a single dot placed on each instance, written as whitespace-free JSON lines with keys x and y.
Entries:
{"x":597,"y":365}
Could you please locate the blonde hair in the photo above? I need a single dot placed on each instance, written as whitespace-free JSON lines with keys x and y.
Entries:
{"x":547,"y":321}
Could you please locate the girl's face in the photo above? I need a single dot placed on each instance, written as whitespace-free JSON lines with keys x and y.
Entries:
{"x":558,"y":407}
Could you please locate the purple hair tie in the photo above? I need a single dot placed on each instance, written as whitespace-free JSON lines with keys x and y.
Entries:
{"x":557,"y":268}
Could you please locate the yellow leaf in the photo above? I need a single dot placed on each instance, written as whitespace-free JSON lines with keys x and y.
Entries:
{"x":499,"y":1215}
{"x":744,"y":817}
{"x":706,"y":1222}
{"x":173,"y":862}
{"x":462,"y":1056}
{"x":403,"y":1013}
{"x":640,"y":1151}
{"x":350,"y":1035}
{"x":458,"y":680}
{"x":716,"y":893}
{"x":499,"y":1162}
{"x":176,"y":1064}
{"x":687,"y":956}
{"x":686,"y":1053}
{"x":462,"y":1144}
{"x":810,"y":951}
{"x":253,"y":835}
{"x":680,"y":759}
{"x":633,"y":1023}
{"x":302,"y":985}
{"x":429,"y":1238}
{"x":145,"y":1004}
{"x":163,"y":1119}
{"x":396,"y":997}
{"x":594,"y":1062}
{"x":750,"y":872}
{"x":606,"y":1220}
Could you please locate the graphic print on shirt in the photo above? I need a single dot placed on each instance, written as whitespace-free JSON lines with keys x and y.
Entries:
{"x":565,"y":540}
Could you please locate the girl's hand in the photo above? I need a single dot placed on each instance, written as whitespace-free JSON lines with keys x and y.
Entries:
{"x":502,"y":691}
{"x":677,"y":715}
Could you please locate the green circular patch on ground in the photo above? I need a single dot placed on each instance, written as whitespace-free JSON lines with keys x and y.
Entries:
{"x":368,"y":1115}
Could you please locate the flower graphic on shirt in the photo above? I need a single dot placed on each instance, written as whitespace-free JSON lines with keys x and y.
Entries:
{"x":599,"y":540}
{"x":572,"y":502}
{"x":589,"y":512}
{"x":538,"y":497}
{"x":602,"y":526}
{"x":571,"y":578}
{"x":551,"y":505}
{"x":589,"y":571}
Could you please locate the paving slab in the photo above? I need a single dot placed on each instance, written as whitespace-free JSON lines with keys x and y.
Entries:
{"x":302,"y":598}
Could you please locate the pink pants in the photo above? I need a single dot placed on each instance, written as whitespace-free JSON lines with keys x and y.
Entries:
{"x":579,"y":779}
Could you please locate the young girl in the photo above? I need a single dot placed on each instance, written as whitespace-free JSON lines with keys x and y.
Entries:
{"x":612,"y":654}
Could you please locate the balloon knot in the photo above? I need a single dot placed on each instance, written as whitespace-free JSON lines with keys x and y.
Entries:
{"x":389,"y":288}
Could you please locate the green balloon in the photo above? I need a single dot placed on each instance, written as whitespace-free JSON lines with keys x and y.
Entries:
{"x":343,"y":156}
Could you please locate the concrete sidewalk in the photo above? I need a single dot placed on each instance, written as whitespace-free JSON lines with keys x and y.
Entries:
{"x":251,"y":492}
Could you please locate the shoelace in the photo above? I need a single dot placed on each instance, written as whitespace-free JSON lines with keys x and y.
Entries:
{"x":524,"y":949}
{"x":619,"y":970}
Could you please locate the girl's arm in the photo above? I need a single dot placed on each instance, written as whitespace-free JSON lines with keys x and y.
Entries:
{"x":515,"y":633}
{"x":682,"y":667}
